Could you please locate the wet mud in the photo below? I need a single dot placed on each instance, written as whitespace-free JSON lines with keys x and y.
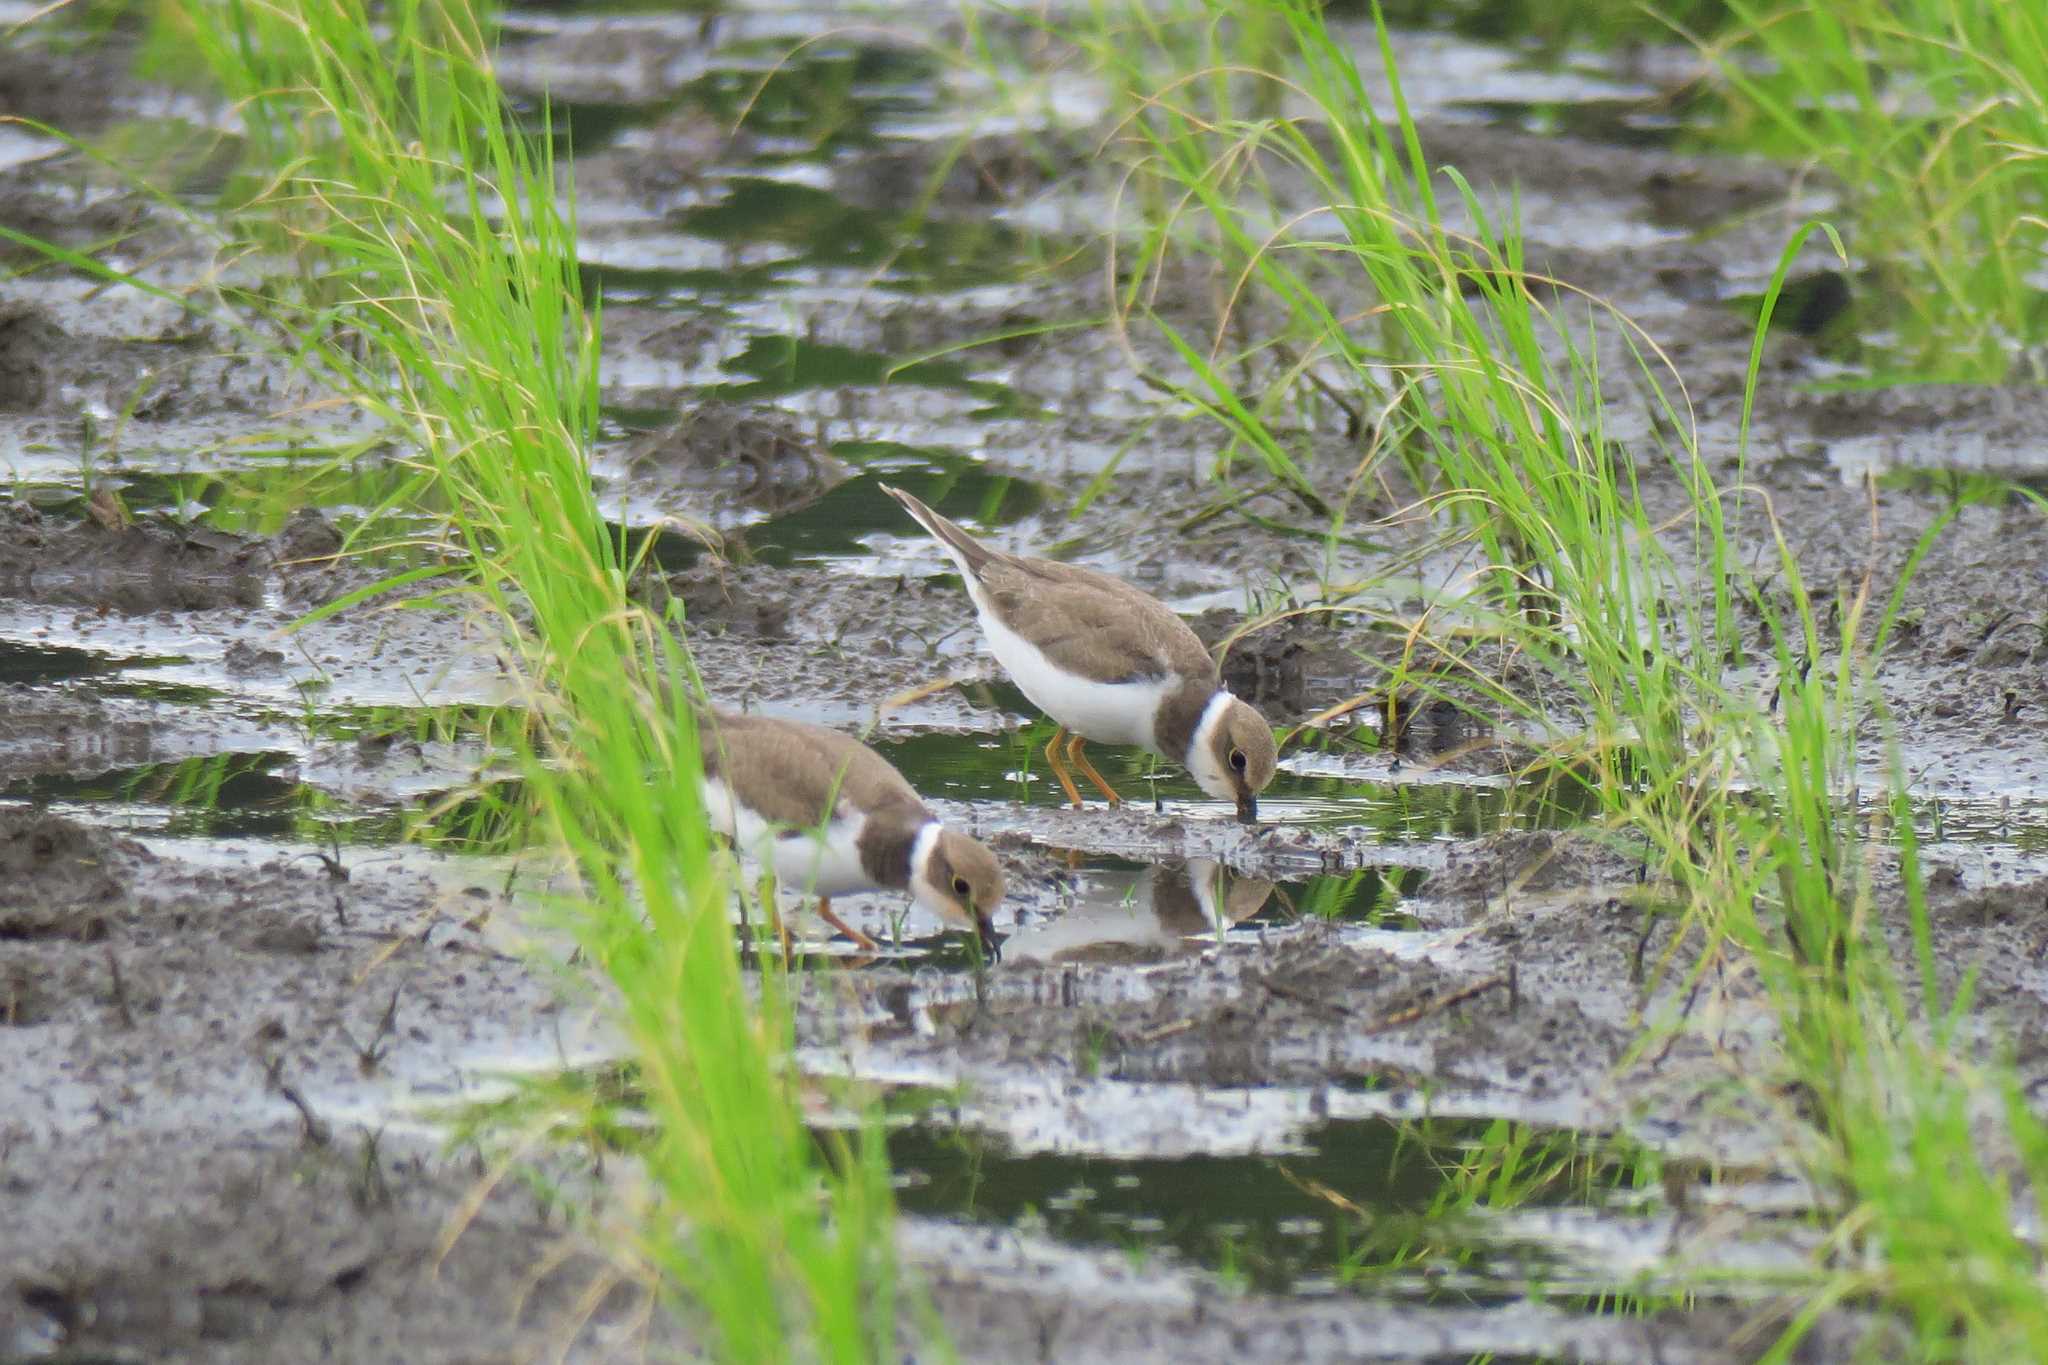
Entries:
{"x":195,"y":1167}
{"x":229,"y":990}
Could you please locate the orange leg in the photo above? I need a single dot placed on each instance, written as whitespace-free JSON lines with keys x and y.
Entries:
{"x":1074,"y":755}
{"x":867,"y":945}
{"x":919,"y":693}
{"x":1059,"y":769}
{"x":775,"y":918}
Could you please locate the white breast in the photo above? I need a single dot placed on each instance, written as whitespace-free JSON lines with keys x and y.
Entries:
{"x":808,"y":862}
{"x":1119,"y":909}
{"x":1108,"y":713}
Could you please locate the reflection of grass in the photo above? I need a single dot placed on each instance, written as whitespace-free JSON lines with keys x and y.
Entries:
{"x":1502,"y":1167}
{"x":214,"y":794}
{"x":1389,"y":1205}
{"x":1385,"y":1198}
{"x":439,"y":290}
{"x":965,"y":770}
{"x":1369,"y":896}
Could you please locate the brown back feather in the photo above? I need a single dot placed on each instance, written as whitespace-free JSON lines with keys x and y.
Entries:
{"x":797,"y":774}
{"x":1092,"y":623}
{"x":1083,"y":619}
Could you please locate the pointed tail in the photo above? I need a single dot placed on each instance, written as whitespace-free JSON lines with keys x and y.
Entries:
{"x":969,"y":553}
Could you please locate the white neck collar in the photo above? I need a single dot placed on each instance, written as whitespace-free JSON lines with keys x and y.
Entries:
{"x":1208,"y":770}
{"x":922,"y":848}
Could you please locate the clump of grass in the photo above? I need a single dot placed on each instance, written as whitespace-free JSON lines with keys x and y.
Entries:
{"x":1608,"y":629}
{"x":438,"y":288}
{"x":1925,"y":1159}
{"x":1931,"y":116}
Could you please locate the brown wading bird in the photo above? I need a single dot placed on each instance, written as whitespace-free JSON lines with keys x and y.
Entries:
{"x":1108,"y":663}
{"x":832,"y":817}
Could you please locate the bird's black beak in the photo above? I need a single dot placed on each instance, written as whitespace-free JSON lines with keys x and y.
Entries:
{"x":985,"y":931}
{"x":1247,"y":809}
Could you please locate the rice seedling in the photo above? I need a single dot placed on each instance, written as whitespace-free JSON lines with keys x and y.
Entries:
{"x":437,"y":287}
{"x":1930,"y":118}
{"x":1491,"y":400}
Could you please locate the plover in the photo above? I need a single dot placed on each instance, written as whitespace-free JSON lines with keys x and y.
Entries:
{"x":832,"y":817}
{"x":1108,"y":663}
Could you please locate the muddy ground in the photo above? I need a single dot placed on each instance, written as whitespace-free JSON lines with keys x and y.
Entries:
{"x":223,"y":1007}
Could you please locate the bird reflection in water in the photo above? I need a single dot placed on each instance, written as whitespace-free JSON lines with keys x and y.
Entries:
{"x":1158,"y":912}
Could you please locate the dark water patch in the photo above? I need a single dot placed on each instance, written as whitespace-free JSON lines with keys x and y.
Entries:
{"x":1419,"y":1209}
{"x":1368,"y":1202}
{"x":843,"y":519}
{"x":787,"y":97}
{"x":1011,"y":767}
{"x":219,"y":796}
{"x":620,"y":7}
{"x":25,"y":662}
{"x":1835,"y":310}
{"x":623,"y":421}
{"x":1643,"y":123}
{"x":581,"y":126}
{"x":1546,"y":28}
{"x":818,"y":100}
{"x":1960,"y":485}
{"x":822,"y":232}
{"x":782,"y":234}
{"x":836,"y":525}
{"x":692,"y":290}
{"x":778,"y":366}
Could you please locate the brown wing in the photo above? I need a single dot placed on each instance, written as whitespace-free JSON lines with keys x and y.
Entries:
{"x":795,"y":774}
{"x":1064,"y":609}
{"x":1092,"y":623}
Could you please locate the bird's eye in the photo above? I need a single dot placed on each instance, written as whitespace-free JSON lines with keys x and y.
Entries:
{"x":1237,"y":759}
{"x":960,"y":886}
